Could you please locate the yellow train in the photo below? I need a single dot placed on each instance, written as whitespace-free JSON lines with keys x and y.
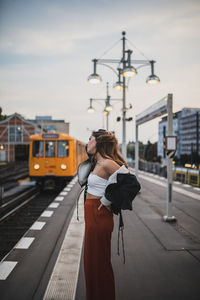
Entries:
{"x":54,"y":158}
{"x":187,"y":176}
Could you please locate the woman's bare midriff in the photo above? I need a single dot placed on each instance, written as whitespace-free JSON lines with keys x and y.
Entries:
{"x":90,"y":196}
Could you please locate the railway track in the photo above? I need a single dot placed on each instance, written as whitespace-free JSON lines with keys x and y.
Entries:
{"x":13,"y":203}
{"x":19,"y":213}
{"x":11,"y":173}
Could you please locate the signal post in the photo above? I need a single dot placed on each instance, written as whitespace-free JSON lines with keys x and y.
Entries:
{"x":160,"y":108}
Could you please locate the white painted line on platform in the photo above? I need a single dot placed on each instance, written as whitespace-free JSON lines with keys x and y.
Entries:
{"x":59,"y":198}
{"x":37,"y":225}
{"x":63,"y":193}
{"x":187,"y":193}
{"x":47,"y":213}
{"x":6,"y":268}
{"x":153,"y":180}
{"x":196,"y":189}
{"x":177,"y":182}
{"x":63,"y":281}
{"x":70,"y":185}
{"x":175,"y":189}
{"x":54,"y":205}
{"x":187,"y":185}
{"x":24,"y":243}
{"x":67,"y":189}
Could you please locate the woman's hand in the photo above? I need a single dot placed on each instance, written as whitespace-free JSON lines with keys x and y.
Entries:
{"x":100,"y":206}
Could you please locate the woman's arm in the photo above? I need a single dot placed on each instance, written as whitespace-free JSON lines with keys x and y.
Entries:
{"x":110,"y":167}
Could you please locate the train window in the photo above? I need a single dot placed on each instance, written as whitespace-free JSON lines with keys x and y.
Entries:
{"x":38,"y":149}
{"x":79,"y":149}
{"x":63,"y":148}
{"x":50,"y":148}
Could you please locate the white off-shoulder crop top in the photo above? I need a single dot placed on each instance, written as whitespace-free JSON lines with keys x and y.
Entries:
{"x":96,"y":185}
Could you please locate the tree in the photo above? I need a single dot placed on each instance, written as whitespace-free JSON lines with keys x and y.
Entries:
{"x":150,"y":152}
{"x":131,"y":150}
{"x":2,"y":117}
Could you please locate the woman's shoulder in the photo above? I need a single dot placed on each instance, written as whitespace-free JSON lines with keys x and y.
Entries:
{"x":110,"y":166}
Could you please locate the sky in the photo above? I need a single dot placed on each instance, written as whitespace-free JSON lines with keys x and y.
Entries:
{"x":47,"y":47}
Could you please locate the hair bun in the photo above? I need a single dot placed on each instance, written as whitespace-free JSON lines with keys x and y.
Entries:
{"x":107,"y":137}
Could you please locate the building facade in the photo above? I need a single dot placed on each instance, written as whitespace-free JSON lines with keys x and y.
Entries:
{"x":189,"y":131}
{"x":47,"y":124}
{"x":15,"y":132}
{"x":186,"y":126}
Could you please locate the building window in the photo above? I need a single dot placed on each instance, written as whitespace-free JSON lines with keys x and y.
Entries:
{"x":15,"y":134}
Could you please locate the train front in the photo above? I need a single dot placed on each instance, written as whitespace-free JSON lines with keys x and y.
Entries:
{"x":51,"y":159}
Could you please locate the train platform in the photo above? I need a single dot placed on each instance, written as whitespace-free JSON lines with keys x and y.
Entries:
{"x":162,"y":259}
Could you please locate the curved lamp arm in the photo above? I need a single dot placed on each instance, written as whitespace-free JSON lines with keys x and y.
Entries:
{"x":108,"y":67}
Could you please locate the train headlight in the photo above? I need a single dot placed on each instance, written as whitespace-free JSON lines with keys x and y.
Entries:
{"x":36,"y":166}
{"x":63,"y":167}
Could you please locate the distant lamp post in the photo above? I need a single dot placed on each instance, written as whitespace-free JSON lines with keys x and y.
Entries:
{"x":152,"y":79}
{"x":90,"y":108}
{"x":94,"y":78}
{"x":107,"y":108}
{"x":126,"y":69}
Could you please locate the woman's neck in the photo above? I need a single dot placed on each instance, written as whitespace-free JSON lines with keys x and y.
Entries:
{"x":99,"y":157}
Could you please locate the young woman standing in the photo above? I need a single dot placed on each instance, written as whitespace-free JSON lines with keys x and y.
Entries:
{"x":99,"y":224}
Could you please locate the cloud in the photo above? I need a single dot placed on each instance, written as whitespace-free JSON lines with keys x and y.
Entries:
{"x":54,"y":28}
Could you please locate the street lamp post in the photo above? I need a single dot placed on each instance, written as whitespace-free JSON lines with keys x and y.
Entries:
{"x":127,"y":71}
{"x":124,"y":99}
{"x":108,"y":107}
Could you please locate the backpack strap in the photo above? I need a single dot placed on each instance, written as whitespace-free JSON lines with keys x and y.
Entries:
{"x":120,"y":229}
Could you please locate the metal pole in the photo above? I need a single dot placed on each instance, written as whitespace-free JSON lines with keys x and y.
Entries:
{"x":168,"y":217}
{"x":8,"y":143}
{"x":107,"y":116}
{"x":197,"y":140}
{"x":124,"y":100}
{"x":136,"y":151}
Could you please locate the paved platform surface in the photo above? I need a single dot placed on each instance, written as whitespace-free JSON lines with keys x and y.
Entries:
{"x":162,"y":260}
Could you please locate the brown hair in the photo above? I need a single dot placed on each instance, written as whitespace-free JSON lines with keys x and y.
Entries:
{"x":107,"y":146}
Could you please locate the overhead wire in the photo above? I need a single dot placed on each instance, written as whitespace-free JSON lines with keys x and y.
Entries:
{"x":109,"y":48}
{"x":138,"y":50}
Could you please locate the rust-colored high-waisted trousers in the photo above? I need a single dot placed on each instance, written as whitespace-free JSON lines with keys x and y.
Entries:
{"x":99,"y":275}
